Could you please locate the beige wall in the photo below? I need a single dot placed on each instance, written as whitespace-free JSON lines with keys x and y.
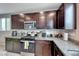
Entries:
{"x":76,"y":33}
{"x":77,"y":30}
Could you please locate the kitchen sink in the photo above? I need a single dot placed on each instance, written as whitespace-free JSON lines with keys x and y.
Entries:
{"x":73,"y":52}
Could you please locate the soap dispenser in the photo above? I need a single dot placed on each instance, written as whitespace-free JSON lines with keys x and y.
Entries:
{"x":65,"y":36}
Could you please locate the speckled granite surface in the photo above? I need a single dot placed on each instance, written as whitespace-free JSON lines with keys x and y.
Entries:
{"x":64,"y":46}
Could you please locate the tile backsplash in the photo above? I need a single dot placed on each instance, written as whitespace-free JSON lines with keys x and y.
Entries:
{"x":54,"y":31}
{"x":4,"y":34}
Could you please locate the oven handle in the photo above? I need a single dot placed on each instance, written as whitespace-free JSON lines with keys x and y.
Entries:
{"x":25,"y":40}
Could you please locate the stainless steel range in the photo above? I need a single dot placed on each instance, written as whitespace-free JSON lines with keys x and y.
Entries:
{"x":28,"y":44}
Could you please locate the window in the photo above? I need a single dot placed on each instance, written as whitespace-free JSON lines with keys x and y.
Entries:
{"x":69,"y":16}
{"x":5,"y":24}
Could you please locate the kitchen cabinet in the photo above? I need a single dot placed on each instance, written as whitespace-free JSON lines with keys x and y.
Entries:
{"x":33,"y":17}
{"x":16,"y":45}
{"x":41,"y":21}
{"x":9,"y":45}
{"x":70,"y":15}
{"x":43,"y":48}
{"x":51,"y":20}
{"x":60,"y":18}
{"x":16,"y":22}
{"x":66,"y":16}
{"x":47,"y":20}
{"x":12,"y":45}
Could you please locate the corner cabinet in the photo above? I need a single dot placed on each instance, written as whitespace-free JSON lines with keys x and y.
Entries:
{"x":66,"y":16}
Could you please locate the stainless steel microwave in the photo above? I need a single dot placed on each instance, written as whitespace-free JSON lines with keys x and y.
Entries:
{"x":30,"y":25}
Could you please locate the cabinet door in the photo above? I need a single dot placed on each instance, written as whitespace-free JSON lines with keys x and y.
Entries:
{"x":43,"y":48}
{"x":51,"y":20}
{"x":16,"y":45}
{"x":38,"y":50}
{"x":46,"y":50}
{"x":41,"y":24}
{"x":61,"y":17}
{"x":9,"y":45}
{"x":66,"y":16}
{"x":31,"y":48}
{"x":16,"y":22}
{"x":70,"y":16}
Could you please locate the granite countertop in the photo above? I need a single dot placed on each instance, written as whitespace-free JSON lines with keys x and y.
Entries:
{"x":63,"y":45}
{"x":18,"y":37}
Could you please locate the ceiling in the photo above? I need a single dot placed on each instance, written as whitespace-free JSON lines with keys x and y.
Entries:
{"x":6,"y":8}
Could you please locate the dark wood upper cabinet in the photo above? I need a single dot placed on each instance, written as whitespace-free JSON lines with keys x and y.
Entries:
{"x":51,"y":20}
{"x":41,"y":21}
{"x":63,"y":18}
{"x":47,"y":20}
{"x":66,"y":16}
{"x":70,"y":15}
{"x":33,"y":17}
{"x":16,"y":23}
{"x":60,"y":18}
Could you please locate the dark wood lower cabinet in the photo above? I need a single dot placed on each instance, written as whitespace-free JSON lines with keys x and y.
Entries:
{"x":9,"y":45}
{"x":43,"y":48}
{"x":12,"y":45}
{"x":16,"y":45}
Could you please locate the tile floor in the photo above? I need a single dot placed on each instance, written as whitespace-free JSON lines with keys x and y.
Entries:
{"x":5,"y":53}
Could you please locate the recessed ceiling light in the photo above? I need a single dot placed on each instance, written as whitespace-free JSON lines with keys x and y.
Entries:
{"x":21,"y":14}
{"x":51,"y":14}
{"x":41,"y":12}
{"x":28,"y":18}
{"x":42,"y":17}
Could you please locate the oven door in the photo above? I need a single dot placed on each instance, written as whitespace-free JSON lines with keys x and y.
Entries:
{"x":31,"y":46}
